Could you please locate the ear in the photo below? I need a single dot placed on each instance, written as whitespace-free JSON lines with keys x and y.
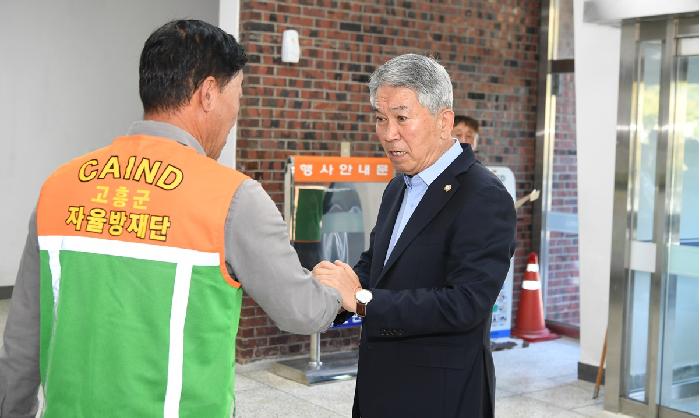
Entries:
{"x":207,"y":93}
{"x":446,"y":120}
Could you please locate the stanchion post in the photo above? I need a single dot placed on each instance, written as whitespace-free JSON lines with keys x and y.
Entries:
{"x":315,"y":351}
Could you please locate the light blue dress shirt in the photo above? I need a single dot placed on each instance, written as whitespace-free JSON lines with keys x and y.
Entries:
{"x":416,"y":186}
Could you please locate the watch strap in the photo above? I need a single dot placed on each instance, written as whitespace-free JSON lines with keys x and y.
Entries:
{"x":361,"y":309}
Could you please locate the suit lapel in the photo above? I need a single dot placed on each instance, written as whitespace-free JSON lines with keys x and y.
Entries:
{"x":435,"y":198}
{"x":383,"y":236}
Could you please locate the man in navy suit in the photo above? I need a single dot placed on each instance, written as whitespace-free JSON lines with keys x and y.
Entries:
{"x":438,"y":256}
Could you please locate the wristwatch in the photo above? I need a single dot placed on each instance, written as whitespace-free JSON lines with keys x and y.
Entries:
{"x":362,"y":297}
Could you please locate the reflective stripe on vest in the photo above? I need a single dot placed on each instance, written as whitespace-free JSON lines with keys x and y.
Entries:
{"x":138,"y":313}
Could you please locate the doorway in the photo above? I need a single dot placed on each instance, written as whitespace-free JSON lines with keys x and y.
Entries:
{"x":652,"y":367}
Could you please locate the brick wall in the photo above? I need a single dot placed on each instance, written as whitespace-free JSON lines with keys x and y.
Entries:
{"x":562,"y":302}
{"x":489,"y":48}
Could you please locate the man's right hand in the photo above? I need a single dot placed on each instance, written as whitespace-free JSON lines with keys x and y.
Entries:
{"x":341,"y":277}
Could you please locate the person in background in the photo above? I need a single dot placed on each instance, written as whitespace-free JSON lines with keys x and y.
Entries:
{"x":129,"y":290}
{"x":466,"y":130}
{"x":437,"y":258}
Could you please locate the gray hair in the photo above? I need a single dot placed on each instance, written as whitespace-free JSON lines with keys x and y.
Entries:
{"x":423,"y":75}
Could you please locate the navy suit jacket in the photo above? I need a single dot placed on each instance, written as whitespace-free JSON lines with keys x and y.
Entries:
{"x":424,"y":350}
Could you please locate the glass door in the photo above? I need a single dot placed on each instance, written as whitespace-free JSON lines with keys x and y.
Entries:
{"x":653,"y":365}
{"x":679,"y":365}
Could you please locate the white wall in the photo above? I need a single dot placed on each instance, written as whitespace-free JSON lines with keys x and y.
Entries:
{"x":229,"y":11}
{"x":596,"y":80}
{"x":69,"y":84}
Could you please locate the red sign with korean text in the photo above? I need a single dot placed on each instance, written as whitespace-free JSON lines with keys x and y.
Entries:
{"x":318,"y":169}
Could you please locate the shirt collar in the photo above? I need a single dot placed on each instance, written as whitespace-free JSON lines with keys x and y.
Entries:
{"x":431,"y":173}
{"x":165,"y":130}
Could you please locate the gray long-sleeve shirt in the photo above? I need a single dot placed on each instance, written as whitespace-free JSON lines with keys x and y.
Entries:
{"x":258,"y":254}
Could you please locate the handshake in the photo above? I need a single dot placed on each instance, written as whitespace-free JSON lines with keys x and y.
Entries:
{"x":341,"y":277}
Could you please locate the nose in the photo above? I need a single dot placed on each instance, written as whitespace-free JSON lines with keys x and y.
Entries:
{"x":392,"y":131}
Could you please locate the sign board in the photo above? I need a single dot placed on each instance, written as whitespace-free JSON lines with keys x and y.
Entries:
{"x":315,"y":169}
{"x":331,"y":204}
{"x":502,"y":309}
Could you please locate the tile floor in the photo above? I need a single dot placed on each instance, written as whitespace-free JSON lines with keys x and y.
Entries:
{"x":532,"y":382}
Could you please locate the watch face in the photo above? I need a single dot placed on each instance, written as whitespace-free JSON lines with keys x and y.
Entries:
{"x":363,"y":296}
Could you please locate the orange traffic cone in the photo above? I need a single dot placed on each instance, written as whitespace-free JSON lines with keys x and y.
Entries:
{"x":530,"y":325}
